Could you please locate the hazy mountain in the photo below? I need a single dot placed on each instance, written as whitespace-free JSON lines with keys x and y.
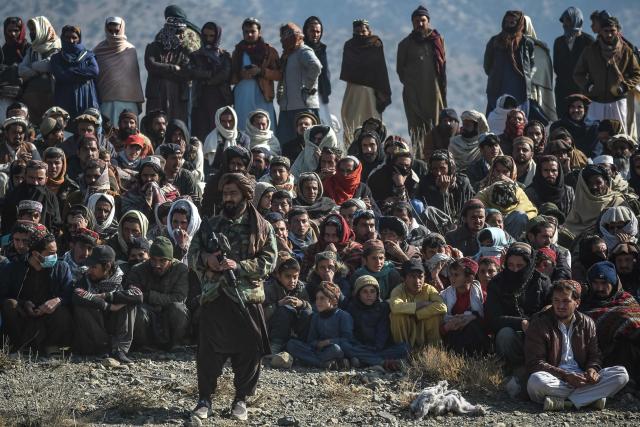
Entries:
{"x":465,"y":24}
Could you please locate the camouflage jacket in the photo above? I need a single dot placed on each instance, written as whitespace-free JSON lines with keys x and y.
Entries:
{"x":248,"y":240}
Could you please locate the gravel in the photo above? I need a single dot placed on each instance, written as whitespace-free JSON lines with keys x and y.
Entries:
{"x":161,"y":389}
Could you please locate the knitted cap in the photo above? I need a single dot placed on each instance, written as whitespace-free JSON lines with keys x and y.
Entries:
{"x":363,"y":281}
{"x":161,"y":248}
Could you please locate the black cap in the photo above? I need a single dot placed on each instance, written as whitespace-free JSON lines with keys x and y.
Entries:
{"x":101,"y":254}
{"x":414,"y":264}
{"x":450,"y":113}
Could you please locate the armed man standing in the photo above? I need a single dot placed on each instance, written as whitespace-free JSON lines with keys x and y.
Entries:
{"x":232,"y":254}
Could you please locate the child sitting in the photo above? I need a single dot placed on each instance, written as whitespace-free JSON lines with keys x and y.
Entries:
{"x":492,"y":242}
{"x":371,"y":328}
{"x":327,"y":268}
{"x":331,"y":328}
{"x":286,"y":305}
{"x":494,"y":218}
{"x":488,"y":268}
{"x":462,"y":330}
{"x":375,"y":264}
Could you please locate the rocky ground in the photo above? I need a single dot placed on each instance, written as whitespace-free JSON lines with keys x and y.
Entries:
{"x":160,"y":389}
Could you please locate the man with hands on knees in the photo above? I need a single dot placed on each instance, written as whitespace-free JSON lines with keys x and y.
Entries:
{"x":563,"y":358}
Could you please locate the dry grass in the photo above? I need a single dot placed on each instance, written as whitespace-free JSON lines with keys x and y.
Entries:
{"x":37,"y":398}
{"x":342,"y":387}
{"x":433,"y":364}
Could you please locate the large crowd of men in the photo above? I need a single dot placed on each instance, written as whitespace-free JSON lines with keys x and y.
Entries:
{"x":304,"y":238}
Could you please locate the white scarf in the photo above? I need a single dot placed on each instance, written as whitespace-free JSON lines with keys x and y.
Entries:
{"x":91,"y":205}
{"x":220,"y":134}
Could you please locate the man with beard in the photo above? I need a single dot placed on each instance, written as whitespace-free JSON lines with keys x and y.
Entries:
{"x":226,"y":134}
{"x":163,"y":319}
{"x":166,"y":60}
{"x":421,"y":67}
{"x":565,"y":370}
{"x":472,"y":221}
{"x":176,"y":174}
{"x":439,"y":136}
{"x":548,"y":185}
{"x":255,"y":66}
{"x":364,"y":69}
{"x":232,"y":304}
{"x":625,"y":257}
{"x":304,"y":120}
{"x":566,"y":52}
{"x":234,"y":159}
{"x":13,"y":51}
{"x":260,"y":163}
{"x":509,"y":63}
{"x":210,"y":68}
{"x":464,"y":147}
{"x":313,"y":31}
{"x":155,"y":126}
{"x":444,"y":187}
{"x":298,"y":89}
{"x":52,"y":134}
{"x":15,"y":145}
{"x":127,"y":126}
{"x":574,"y":120}
{"x":523,"y":156}
{"x":364,"y":226}
{"x":489,"y":145}
{"x":606,"y":72}
{"x":617,"y":317}
{"x":368,"y":149}
{"x":621,"y":147}
{"x":593,"y":195}
{"x":514,"y":127}
{"x":33,"y":188}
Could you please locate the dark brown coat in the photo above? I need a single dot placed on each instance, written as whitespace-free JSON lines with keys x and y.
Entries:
{"x":543,"y":344}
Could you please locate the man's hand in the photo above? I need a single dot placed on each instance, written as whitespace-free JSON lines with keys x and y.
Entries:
{"x":422,"y":304}
{"x":182,"y":238}
{"x":29,"y":307}
{"x":367,"y":202}
{"x":525,"y":325}
{"x":49,"y":306}
{"x":175,"y":68}
{"x":443,"y":182}
{"x":575,"y":380}
{"x":395,"y":251}
{"x":327,"y":172}
{"x":148,"y":195}
{"x":592,"y":376}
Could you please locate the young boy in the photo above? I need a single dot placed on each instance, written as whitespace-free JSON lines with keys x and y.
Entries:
{"x":416,"y":308}
{"x":488,"y":268}
{"x":286,"y":305}
{"x":374,"y":264}
{"x":462,"y":330}
{"x":371,"y":328}
{"x":327,"y":268}
{"x":331,"y":329}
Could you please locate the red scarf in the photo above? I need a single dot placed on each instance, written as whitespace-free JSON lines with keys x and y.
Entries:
{"x":342,"y":188}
